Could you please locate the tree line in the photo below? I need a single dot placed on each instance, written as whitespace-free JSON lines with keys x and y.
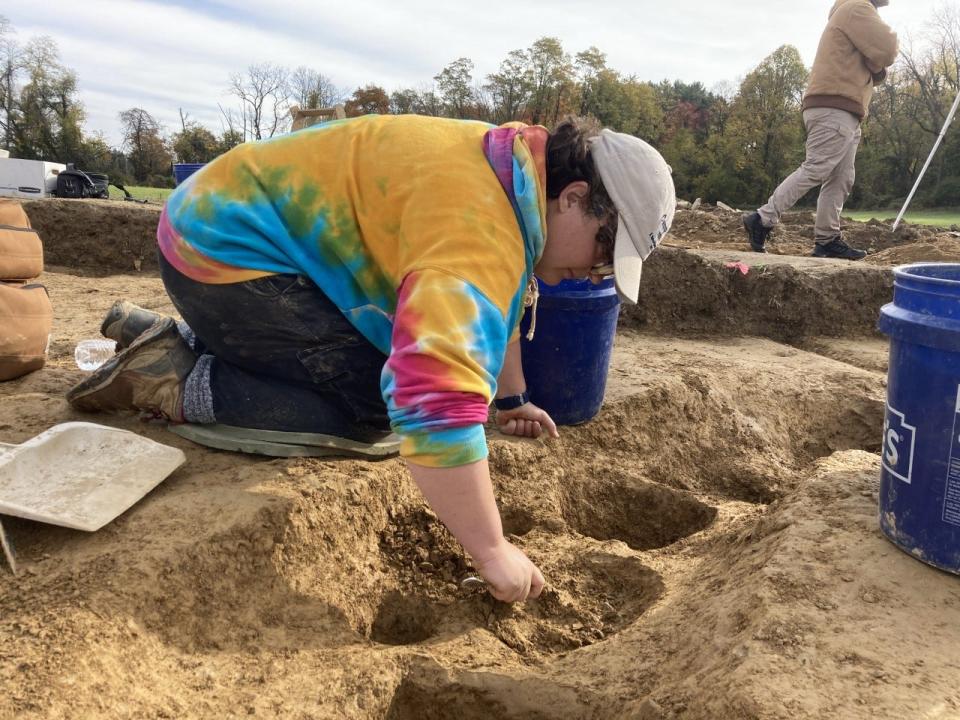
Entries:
{"x":730,"y":143}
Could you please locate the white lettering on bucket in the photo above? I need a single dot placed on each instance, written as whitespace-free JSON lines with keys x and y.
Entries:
{"x":899,"y":438}
{"x":951,"y":494}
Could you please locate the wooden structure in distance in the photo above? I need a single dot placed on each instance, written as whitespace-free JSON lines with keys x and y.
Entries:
{"x":312,"y":116}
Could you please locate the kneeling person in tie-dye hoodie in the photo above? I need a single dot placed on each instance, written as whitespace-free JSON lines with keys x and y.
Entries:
{"x":370,"y":274}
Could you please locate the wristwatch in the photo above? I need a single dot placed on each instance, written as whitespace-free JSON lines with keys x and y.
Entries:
{"x":511,"y":402}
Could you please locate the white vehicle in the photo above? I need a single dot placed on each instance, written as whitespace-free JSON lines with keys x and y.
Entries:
{"x":28,"y":178}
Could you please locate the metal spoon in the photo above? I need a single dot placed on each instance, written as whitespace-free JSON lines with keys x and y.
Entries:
{"x":8,"y":550}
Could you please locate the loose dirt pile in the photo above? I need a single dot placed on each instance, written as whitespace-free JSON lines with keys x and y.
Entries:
{"x":940,"y":248}
{"x":716,"y":228}
{"x":709,"y":540}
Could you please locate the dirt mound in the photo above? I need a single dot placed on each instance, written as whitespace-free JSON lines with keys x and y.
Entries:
{"x":102,"y":237}
{"x":96,"y":237}
{"x":794,"y":604}
{"x":786,"y":298}
{"x":940,"y":248}
{"x":238,"y":576}
{"x":715,"y":228}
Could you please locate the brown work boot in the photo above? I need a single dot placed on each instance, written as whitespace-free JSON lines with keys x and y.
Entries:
{"x":125,"y":322}
{"x":149,"y":375}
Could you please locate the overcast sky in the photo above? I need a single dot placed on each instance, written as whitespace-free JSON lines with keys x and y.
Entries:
{"x":168,"y":55}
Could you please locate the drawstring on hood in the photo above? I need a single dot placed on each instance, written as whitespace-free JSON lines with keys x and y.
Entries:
{"x":530,"y":300}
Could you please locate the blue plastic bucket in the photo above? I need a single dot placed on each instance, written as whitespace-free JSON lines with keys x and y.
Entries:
{"x":920,"y":475}
{"x":566,"y":363}
{"x":181,"y":171}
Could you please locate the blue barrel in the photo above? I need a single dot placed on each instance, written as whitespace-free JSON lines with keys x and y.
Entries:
{"x":566,"y":363}
{"x":920,"y":475}
{"x":181,"y":171}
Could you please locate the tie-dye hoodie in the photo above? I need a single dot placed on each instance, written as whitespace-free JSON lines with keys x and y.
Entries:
{"x":423,"y":231}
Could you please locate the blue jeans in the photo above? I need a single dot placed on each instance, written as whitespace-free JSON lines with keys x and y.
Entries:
{"x":283,"y":356}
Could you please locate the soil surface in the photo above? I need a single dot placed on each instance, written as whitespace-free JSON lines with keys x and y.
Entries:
{"x":716,"y":227}
{"x":710,"y":539}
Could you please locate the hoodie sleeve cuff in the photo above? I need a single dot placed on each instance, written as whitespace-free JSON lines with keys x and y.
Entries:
{"x":445,"y":448}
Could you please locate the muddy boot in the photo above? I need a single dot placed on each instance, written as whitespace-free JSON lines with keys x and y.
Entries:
{"x":837,"y":248}
{"x":125,"y":322}
{"x":756,"y":231}
{"x":149,"y":375}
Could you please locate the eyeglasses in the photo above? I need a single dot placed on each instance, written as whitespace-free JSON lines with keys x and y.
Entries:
{"x":603,"y":271}
{"x":607,"y":236}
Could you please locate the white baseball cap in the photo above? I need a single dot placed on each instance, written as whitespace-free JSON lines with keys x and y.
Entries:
{"x":640,"y":183}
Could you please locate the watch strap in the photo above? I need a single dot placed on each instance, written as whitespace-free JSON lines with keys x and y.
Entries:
{"x":511,"y":402}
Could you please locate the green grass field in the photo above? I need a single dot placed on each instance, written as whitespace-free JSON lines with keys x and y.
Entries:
{"x":940,"y":218}
{"x":142,"y":193}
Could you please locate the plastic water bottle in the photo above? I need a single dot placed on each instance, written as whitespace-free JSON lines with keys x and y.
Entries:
{"x":91,"y":354}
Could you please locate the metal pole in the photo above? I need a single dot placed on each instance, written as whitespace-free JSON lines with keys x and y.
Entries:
{"x":943,"y":132}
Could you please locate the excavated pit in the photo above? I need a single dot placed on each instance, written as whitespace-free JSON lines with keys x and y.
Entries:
{"x":325,"y":554}
{"x":644,"y":515}
{"x":708,"y":540}
{"x":426,"y":692}
{"x":404,"y":620}
{"x":349,"y":547}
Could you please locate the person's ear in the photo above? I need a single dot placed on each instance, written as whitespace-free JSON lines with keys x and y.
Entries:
{"x":574,"y":195}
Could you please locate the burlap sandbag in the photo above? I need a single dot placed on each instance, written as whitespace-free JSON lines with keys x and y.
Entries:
{"x":12,"y":213}
{"x":21,"y":252}
{"x":26,"y":317}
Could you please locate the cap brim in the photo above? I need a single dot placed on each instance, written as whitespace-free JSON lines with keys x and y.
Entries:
{"x":627,"y":266}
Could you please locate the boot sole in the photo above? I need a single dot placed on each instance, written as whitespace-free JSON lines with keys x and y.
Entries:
{"x":276,"y":443}
{"x":826,"y":256}
{"x":107,"y":373}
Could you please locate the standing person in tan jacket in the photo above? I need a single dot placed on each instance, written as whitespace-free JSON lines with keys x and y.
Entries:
{"x":855,"y":51}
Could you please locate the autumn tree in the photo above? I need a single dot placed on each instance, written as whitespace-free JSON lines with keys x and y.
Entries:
{"x":228,"y":139}
{"x":892,"y":142}
{"x":366,"y":100}
{"x":416,"y":101}
{"x":143,"y":141}
{"x":194,"y":143}
{"x":404,"y":101}
{"x":590,"y":66}
{"x":637,"y":110}
{"x":95,"y":154}
{"x":510,"y":88}
{"x":732,"y":143}
{"x":455,"y":85}
{"x":552,"y":77}
{"x":764,"y":133}
{"x":49,"y":115}
{"x":10,"y":65}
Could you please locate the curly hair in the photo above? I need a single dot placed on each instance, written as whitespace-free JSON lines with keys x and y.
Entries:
{"x":569,"y":160}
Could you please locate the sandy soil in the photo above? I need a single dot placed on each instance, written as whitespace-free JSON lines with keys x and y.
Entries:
{"x":710,"y":539}
{"x":716,"y":228}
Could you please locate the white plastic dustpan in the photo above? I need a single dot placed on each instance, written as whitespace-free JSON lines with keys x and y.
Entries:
{"x":81,"y":475}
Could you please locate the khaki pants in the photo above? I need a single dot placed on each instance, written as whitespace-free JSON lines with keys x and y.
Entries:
{"x":832,"y":140}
